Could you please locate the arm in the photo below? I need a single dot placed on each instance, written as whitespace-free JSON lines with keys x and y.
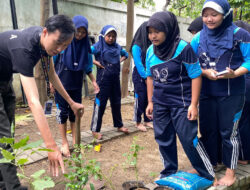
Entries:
{"x":123,"y":58}
{"x":136,"y":52}
{"x":31,"y":93}
{"x":233,"y":74}
{"x":59,"y":87}
{"x":124,"y":55}
{"x":192,"y":109}
{"x":208,"y":73}
{"x":150,"y":87}
{"x":95,"y":85}
{"x":88,"y":70}
{"x":191,"y":62}
{"x":97,"y":63}
{"x":244,"y":68}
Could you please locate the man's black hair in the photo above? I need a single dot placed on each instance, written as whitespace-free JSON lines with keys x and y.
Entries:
{"x":63,"y":24}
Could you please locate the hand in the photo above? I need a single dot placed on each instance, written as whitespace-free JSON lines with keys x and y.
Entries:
{"x":230,"y":74}
{"x":96,"y":87}
{"x":192,"y":112}
{"x":98,"y":64}
{"x":122,"y":59}
{"x":149,"y":110}
{"x":210,"y":74}
{"x":75,"y":107}
{"x":55,"y":160}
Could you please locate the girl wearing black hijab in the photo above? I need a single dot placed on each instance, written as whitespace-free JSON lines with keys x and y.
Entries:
{"x":138,"y":49}
{"x":173,"y":83}
{"x":196,"y":25}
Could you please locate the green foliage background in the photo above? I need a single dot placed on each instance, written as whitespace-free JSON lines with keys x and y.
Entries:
{"x":192,"y":9}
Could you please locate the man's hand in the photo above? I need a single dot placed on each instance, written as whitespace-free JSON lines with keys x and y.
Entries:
{"x":75,"y":107}
{"x":149,"y":110}
{"x":55,"y":160}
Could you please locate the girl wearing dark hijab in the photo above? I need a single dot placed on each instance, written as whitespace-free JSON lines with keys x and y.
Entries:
{"x":138,"y":49}
{"x":70,"y":66}
{"x":108,"y":55}
{"x":196,"y":25}
{"x":173,"y":82}
{"x":222,"y":46}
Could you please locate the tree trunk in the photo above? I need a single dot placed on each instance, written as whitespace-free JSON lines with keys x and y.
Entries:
{"x":39,"y":76}
{"x":129,"y":37}
{"x":166,"y":5}
{"x":235,"y":11}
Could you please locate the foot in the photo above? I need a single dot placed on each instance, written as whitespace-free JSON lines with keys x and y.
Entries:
{"x":149,"y":124}
{"x":65,"y":150}
{"x":228,"y":179}
{"x":123,"y":129}
{"x":243,"y":162}
{"x":215,"y":183}
{"x":141,"y":127}
{"x":97,"y":135}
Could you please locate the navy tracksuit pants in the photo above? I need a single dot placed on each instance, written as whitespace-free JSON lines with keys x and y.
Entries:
{"x":64,"y":111}
{"x":8,"y":172}
{"x":244,"y":130}
{"x":168,"y":122}
{"x":219,"y":118}
{"x":108,"y":80}
{"x":244,"y":125}
{"x":141,"y":98}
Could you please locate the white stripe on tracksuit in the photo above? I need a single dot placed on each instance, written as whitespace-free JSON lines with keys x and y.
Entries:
{"x":135,"y":109}
{"x":235,"y":143}
{"x":205,"y":159}
{"x":95,"y":118}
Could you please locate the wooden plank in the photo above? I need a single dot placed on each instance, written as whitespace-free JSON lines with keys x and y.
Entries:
{"x":246,"y":170}
{"x":241,"y":177}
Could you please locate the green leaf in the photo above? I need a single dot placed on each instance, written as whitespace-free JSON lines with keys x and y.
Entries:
{"x":8,"y":155}
{"x":4,"y":160}
{"x":45,"y":149}
{"x":32,"y":145}
{"x":21,"y":143}
{"x":41,"y":184}
{"x":22,"y":161}
{"x":22,"y":176}
{"x":6,"y":140}
{"x":91,"y":186}
{"x":38,"y":174}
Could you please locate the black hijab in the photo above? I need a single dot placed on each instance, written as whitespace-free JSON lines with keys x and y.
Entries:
{"x":141,"y":39}
{"x":196,"y":25}
{"x":165,"y":22}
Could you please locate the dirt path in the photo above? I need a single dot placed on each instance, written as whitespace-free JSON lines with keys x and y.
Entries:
{"x":112,"y":151}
